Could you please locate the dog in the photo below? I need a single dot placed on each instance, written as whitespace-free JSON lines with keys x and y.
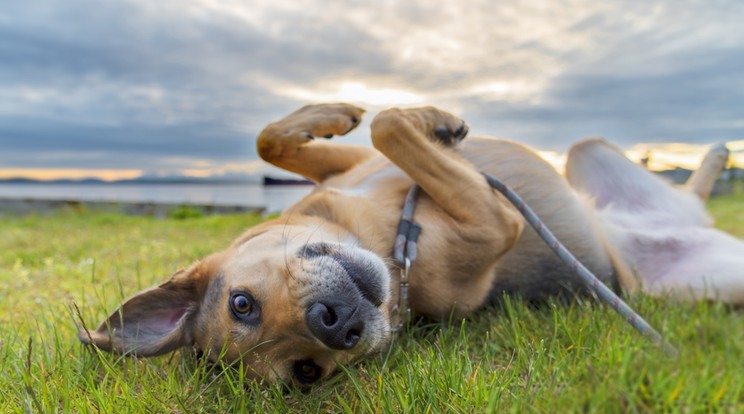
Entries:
{"x":295,"y":296}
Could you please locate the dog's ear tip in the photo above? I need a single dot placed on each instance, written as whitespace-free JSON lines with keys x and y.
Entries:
{"x":94,"y":338}
{"x":85,"y":336}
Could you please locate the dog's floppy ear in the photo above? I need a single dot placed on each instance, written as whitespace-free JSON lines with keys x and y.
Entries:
{"x":154,"y":321}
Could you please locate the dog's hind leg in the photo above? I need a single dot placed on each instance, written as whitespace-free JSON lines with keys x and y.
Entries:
{"x":596,"y":168}
{"x":660,"y":232}
{"x":702,"y":180}
{"x":291,"y":143}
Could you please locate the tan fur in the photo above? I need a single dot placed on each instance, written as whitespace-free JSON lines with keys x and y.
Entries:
{"x":474,"y":245}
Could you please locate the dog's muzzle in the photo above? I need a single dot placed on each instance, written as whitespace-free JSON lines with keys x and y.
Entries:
{"x":350,"y":287}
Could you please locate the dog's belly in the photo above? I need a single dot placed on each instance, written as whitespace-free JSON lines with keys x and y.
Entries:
{"x":530,"y":269}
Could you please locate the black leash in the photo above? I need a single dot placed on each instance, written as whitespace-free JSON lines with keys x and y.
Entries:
{"x":404,"y":253}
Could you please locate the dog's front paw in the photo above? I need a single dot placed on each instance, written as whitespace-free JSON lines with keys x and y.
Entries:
{"x":322,"y":120}
{"x":437,"y":125}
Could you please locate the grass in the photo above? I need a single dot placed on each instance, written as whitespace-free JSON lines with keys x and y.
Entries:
{"x":558,"y":358}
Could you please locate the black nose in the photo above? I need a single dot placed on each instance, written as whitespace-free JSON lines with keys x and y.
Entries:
{"x":337,"y":324}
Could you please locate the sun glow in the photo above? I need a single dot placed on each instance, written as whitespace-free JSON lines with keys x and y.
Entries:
{"x":555,"y":159}
{"x":508,"y":90}
{"x":689,"y":156}
{"x":662,"y":156}
{"x":197,"y":169}
{"x":354,"y":92}
{"x":44,"y":174}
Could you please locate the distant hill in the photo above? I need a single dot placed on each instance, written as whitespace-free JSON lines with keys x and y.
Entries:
{"x":680,"y":175}
{"x":18,"y":180}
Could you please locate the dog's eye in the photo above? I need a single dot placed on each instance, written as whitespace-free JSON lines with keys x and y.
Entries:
{"x":241,"y":304}
{"x":306,"y":371}
{"x":244,"y":307}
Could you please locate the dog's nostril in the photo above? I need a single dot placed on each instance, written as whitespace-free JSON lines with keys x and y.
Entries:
{"x":352,"y":337}
{"x":328,"y":317}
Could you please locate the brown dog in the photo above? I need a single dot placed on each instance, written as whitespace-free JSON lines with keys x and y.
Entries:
{"x":296,"y":295}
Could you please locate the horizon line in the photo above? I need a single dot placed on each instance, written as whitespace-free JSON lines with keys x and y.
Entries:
{"x":664,"y":156}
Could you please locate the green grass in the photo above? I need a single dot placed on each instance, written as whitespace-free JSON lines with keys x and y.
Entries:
{"x":578,"y":358}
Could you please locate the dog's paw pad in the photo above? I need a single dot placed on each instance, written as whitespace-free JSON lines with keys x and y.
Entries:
{"x":324,"y":120}
{"x":448,"y":136}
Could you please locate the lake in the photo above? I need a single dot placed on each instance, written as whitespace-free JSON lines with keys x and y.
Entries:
{"x":272,"y":198}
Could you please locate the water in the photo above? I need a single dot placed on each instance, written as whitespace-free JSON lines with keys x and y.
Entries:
{"x":272,"y":198}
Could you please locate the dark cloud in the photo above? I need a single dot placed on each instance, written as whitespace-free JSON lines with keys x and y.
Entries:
{"x":125,"y":146}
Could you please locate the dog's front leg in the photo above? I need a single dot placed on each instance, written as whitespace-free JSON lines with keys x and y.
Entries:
{"x":291,"y":143}
{"x":418,"y":141}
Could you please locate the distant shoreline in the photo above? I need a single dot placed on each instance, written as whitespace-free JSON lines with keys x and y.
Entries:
{"x":25,"y":181}
{"x":168,"y":180}
{"x":20,"y":206}
{"x":231,"y":196}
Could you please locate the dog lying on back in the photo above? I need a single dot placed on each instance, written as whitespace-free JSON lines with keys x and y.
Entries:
{"x":297,"y":295}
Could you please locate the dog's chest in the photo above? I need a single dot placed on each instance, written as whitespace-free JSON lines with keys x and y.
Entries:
{"x":366,"y":201}
{"x":374,"y":180}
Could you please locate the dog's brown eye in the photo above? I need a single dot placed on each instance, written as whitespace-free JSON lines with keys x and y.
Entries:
{"x":245,"y":308}
{"x":242,"y":304}
{"x":306,"y":371}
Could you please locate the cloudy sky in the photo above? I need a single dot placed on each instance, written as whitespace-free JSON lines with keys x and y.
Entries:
{"x":118,"y":88}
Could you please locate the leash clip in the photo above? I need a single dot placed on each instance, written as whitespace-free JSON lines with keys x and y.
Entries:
{"x":404,"y":252}
{"x":405,"y":310}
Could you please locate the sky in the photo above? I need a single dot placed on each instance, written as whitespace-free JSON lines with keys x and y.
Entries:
{"x":120,"y":88}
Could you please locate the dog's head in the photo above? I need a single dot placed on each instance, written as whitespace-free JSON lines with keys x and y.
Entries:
{"x":290,"y":302}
